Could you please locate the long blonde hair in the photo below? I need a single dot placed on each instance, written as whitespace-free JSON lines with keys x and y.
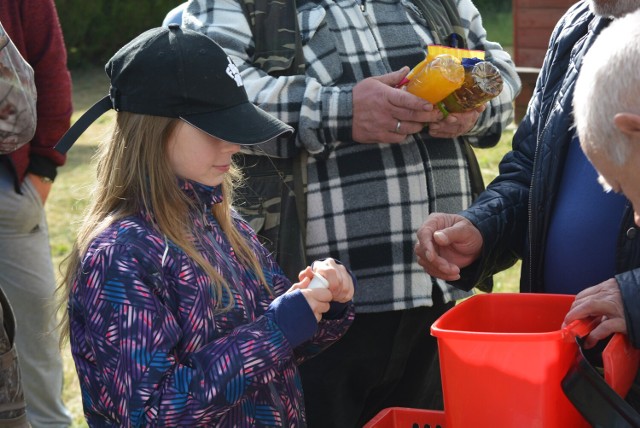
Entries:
{"x":134,"y":176}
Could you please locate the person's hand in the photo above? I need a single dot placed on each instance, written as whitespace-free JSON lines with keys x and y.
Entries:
{"x":378,"y":108}
{"x":317,"y":298}
{"x":456,"y":124}
{"x":604,"y":302}
{"x":340,"y":282}
{"x":41,"y":187}
{"x":446,"y":244}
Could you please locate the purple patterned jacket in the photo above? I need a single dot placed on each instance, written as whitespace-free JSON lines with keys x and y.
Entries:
{"x":150,"y":351}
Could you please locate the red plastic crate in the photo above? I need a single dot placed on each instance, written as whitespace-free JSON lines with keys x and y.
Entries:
{"x":402,"y":417}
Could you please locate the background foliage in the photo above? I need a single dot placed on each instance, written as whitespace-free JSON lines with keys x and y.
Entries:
{"x":493,"y":5}
{"x":95,"y":29}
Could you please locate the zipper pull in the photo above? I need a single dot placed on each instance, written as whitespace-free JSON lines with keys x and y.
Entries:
{"x":363,"y":6}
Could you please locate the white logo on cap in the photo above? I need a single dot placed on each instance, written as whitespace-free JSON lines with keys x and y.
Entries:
{"x":233,"y":72}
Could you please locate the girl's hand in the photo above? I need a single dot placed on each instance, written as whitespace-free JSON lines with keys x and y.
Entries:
{"x":317,"y":298}
{"x":340,"y":282}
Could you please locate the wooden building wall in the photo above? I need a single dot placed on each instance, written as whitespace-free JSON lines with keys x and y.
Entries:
{"x":533,"y":22}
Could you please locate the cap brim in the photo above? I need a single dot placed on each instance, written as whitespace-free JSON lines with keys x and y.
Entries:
{"x":243,"y":124}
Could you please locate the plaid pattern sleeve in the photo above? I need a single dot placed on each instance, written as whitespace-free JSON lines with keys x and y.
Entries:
{"x":364,"y":201}
{"x":499,"y":112}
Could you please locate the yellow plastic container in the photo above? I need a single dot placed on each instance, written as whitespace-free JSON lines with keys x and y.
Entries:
{"x":437,"y":79}
{"x":433,"y":51}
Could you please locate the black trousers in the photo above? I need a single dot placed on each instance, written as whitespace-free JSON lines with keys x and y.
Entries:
{"x":385,"y":359}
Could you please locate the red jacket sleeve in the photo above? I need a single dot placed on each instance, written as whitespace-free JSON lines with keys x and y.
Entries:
{"x":34,"y":27}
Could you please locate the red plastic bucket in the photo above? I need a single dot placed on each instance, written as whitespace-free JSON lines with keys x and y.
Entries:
{"x":503,"y":358}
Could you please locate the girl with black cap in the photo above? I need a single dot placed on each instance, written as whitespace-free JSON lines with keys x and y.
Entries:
{"x":177,"y":315}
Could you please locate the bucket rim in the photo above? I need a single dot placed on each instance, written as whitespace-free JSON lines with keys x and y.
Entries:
{"x":496,"y":336}
{"x":446,"y":333}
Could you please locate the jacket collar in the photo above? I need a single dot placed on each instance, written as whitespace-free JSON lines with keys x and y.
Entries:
{"x":201,"y":193}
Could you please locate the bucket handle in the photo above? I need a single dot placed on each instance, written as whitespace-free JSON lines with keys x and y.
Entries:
{"x":579,"y":328}
{"x":620,"y":359}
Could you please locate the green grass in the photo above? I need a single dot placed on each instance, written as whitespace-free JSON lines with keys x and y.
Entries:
{"x":499,"y":26}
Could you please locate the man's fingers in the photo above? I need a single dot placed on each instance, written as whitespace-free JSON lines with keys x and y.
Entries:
{"x":459,"y":232}
{"x":588,"y":308}
{"x":441,"y":237}
{"x":395,"y":78}
{"x":587,"y":292}
{"x":437,"y":266}
{"x":605,"y":329}
{"x":407,"y":102}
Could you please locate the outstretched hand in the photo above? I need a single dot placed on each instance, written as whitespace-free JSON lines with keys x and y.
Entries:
{"x":446,"y":244}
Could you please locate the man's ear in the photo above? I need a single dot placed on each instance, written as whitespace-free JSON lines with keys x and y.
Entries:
{"x":628,"y":124}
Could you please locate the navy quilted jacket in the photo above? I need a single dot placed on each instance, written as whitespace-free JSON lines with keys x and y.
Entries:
{"x":513,"y":213}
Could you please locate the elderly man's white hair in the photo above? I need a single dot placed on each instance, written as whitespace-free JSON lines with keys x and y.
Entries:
{"x":614,"y":8}
{"x":609,"y":83}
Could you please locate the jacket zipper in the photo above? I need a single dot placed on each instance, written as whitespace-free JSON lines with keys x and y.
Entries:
{"x":533,"y":178}
{"x":572,"y":58}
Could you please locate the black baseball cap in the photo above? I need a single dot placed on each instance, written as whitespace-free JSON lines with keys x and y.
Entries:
{"x":176,"y":72}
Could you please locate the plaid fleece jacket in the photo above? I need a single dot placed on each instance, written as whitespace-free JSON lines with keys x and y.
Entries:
{"x":365,"y":201}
